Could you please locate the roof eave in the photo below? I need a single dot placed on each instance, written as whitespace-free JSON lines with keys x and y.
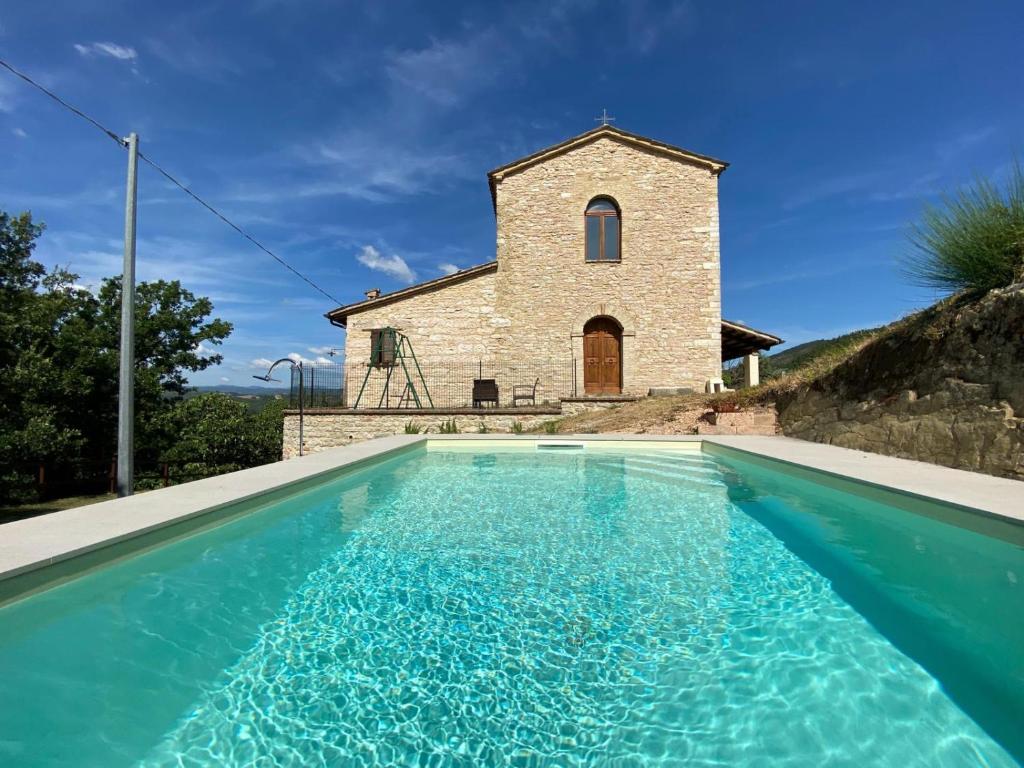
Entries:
{"x":339,"y":317}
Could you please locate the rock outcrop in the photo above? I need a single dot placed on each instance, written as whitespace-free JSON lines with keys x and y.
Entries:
{"x":945,"y":386}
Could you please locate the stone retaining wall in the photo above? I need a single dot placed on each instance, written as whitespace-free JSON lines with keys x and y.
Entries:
{"x":325,"y":429}
{"x":947,"y":387}
{"x":329,"y":430}
{"x":576,"y":406}
{"x":752,"y":421}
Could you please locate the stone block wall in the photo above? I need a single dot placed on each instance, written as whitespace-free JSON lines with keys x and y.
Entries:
{"x":330,"y":430}
{"x":665,"y":291}
{"x":752,"y":421}
{"x":451,"y":323}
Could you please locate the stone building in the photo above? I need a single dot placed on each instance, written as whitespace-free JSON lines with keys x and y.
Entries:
{"x":607,"y":261}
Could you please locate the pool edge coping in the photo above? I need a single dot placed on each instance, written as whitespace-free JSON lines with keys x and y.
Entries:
{"x":32,"y":545}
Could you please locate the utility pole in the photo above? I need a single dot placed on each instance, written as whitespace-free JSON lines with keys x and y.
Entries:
{"x":126,"y":383}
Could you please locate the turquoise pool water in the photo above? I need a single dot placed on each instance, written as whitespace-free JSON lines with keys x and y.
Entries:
{"x":533,"y":608}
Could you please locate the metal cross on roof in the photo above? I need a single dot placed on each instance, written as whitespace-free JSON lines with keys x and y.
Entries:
{"x":604,"y":119}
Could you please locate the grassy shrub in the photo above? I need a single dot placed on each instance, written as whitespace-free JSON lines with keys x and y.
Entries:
{"x":517,"y":427}
{"x":803,"y":369}
{"x":448,"y":427}
{"x":973,"y":241}
{"x":412,"y":429}
{"x":551,"y":427}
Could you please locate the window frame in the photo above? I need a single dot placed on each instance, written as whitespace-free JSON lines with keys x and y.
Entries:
{"x":601,"y":215}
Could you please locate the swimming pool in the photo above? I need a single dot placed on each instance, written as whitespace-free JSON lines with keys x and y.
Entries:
{"x":488,"y":606}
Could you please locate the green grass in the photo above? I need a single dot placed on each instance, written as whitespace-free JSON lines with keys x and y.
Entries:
{"x":802,"y":355}
{"x":22,"y":511}
{"x":973,"y":241}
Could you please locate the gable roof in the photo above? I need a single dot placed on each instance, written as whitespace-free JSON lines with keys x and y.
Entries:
{"x":340,"y":315}
{"x":602,"y":131}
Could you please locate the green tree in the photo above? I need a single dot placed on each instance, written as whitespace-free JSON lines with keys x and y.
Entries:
{"x":213,"y":433}
{"x":59,"y":359}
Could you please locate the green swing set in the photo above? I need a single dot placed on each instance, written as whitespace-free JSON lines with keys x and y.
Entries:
{"x":390,"y":349}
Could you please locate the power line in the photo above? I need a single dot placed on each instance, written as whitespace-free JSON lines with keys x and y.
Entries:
{"x":234,"y":226}
{"x":121,"y":142}
{"x":59,"y":100}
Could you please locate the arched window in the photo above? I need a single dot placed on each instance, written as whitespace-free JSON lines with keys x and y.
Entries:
{"x":603,"y":233}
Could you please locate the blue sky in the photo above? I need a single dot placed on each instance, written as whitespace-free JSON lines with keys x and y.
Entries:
{"x":354,"y":139}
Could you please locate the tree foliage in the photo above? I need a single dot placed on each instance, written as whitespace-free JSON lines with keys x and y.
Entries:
{"x":59,"y":353}
{"x":974,"y":240}
{"x":214,"y":433}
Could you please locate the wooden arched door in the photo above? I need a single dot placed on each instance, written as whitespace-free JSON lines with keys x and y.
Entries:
{"x":602,"y":357}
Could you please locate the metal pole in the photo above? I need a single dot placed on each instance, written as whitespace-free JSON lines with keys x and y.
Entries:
{"x":126,"y":386}
{"x":301,"y":412}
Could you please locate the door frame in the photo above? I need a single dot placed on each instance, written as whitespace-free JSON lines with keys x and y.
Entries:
{"x":615,"y":329}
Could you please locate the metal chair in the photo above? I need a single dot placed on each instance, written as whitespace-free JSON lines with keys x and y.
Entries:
{"x":525,"y":392}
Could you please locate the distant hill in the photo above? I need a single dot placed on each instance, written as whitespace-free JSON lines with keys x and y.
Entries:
{"x":235,"y":389}
{"x":255,"y":398}
{"x":802,"y":355}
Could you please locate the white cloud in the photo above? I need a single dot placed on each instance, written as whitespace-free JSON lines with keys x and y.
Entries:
{"x":646,"y":27}
{"x":448,"y":268}
{"x":831,"y":187}
{"x":393,"y":265}
{"x":225,"y":379}
{"x":297,"y":357}
{"x":952,"y":148}
{"x":923,"y":186}
{"x":6,"y":95}
{"x":113,"y":50}
{"x":261,"y":362}
{"x":375,"y":165}
{"x":448,"y":70}
{"x":195,"y":52}
{"x":20,"y":133}
{"x":321,"y":350}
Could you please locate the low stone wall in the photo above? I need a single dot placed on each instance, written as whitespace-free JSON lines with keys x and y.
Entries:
{"x":751,"y":421}
{"x":330,"y":429}
{"x":574,"y":406}
{"x":958,"y":426}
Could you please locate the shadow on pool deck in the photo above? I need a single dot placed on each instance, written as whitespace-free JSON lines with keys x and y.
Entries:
{"x":8,"y":514}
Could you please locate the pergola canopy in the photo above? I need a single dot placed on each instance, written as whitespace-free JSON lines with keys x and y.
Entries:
{"x":739,"y":340}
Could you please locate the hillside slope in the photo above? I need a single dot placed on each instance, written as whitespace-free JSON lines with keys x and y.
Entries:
{"x":794,"y":358}
{"x":945,"y":385}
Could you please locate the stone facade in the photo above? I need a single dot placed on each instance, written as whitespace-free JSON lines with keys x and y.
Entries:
{"x":664,"y":293}
{"x":452,"y":323}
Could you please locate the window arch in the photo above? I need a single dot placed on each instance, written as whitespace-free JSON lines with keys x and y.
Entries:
{"x":602,"y":224}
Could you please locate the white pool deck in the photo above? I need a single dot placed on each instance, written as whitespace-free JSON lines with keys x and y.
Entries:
{"x":42,"y":551}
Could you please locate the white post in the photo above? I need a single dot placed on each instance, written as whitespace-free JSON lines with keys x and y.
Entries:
{"x":751,"y":370}
{"x":126,"y":383}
